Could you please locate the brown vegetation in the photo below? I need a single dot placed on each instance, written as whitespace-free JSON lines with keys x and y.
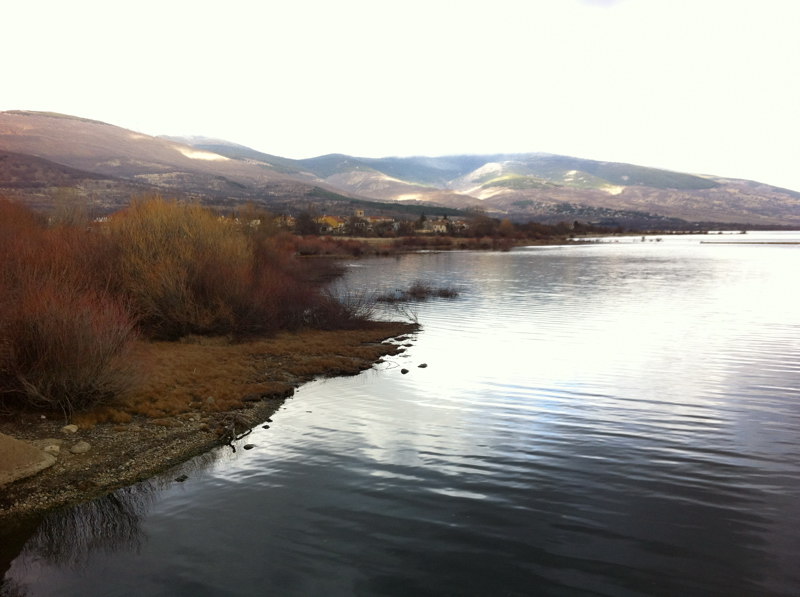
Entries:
{"x":63,"y":336}
{"x":203,"y":375}
{"x":419,"y":290}
{"x":73,"y":298}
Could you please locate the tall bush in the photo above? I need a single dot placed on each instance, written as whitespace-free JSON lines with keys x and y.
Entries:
{"x":63,"y":338}
{"x":180,"y":266}
{"x":187,"y":271}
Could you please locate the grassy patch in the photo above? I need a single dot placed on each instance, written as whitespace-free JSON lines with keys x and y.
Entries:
{"x":211,"y":375}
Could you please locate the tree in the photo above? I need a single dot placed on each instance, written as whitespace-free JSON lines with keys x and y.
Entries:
{"x":305,"y":223}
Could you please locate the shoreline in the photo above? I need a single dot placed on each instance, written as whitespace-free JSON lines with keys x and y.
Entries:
{"x":122,"y":454}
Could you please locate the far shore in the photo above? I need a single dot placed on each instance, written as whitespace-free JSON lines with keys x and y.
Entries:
{"x":201,"y":393}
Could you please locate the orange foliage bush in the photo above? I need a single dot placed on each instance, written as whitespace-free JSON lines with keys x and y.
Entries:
{"x":62,"y":337}
{"x":187,"y":271}
{"x":72,"y":297}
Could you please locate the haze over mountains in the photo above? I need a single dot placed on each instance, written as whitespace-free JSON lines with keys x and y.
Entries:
{"x":41,"y":154}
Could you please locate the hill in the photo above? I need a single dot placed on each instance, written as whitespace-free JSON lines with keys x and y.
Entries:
{"x":48,"y":151}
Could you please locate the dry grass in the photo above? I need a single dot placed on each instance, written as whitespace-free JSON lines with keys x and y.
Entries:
{"x":205,"y":375}
{"x":73,"y":299}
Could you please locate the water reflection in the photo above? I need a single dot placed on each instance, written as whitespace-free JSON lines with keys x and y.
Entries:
{"x":594,"y":420}
{"x":111,"y":523}
{"x":71,"y":537}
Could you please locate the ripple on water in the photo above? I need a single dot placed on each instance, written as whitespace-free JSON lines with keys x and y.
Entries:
{"x":612,"y":420}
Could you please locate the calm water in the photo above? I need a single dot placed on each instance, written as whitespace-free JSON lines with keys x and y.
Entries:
{"x":614,"y":419}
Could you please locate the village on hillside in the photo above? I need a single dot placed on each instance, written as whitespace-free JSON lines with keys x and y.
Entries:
{"x":362,"y":224}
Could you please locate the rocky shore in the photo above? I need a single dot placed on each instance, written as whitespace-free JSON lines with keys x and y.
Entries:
{"x":81,"y":462}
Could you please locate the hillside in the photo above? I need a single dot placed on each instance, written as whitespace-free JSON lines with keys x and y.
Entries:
{"x":46,"y":152}
{"x":551,"y":188}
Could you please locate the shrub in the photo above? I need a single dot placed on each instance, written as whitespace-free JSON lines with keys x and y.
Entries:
{"x":187,"y":271}
{"x":65,"y":348}
{"x":183,"y":269}
{"x":62,"y":339}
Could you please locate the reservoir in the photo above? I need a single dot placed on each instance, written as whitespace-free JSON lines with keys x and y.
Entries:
{"x":619,"y":418}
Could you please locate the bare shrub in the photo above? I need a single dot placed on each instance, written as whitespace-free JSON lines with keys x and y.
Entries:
{"x":65,"y":348}
{"x":62,"y":339}
{"x":183,"y":269}
{"x":187,"y":271}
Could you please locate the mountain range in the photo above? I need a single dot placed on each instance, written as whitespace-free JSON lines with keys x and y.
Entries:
{"x":44,"y":154}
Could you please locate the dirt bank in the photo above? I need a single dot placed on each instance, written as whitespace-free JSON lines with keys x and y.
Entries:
{"x":193,"y":396}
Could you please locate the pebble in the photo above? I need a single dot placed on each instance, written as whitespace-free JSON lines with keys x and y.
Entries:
{"x":80,"y":448}
{"x":181,"y":478}
{"x":265,"y":427}
{"x":249,"y":446}
{"x":423,"y":365}
{"x":69,"y":429}
{"x":403,"y":371}
{"x":53,"y":449}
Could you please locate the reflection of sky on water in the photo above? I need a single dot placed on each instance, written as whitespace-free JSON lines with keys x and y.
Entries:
{"x":604,"y":418}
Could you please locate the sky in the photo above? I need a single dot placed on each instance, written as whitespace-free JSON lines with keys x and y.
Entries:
{"x":702,"y":86}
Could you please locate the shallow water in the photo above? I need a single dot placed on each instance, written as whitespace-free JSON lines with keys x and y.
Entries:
{"x":611,"y":419}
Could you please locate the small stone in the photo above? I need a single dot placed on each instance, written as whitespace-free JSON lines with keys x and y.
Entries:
{"x":265,"y":427}
{"x":403,"y":371}
{"x":181,"y":478}
{"x":423,"y":365}
{"x":53,"y":449}
{"x":80,"y":448}
{"x":69,"y":429}
{"x":269,"y":420}
{"x":249,"y":446}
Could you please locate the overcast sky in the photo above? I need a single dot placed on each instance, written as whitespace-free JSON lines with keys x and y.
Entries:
{"x":706,"y":86}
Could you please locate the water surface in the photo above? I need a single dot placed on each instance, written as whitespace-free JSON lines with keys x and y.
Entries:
{"x":611,"y":419}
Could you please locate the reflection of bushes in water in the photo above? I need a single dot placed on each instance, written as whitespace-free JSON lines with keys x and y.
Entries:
{"x":418,"y":291}
{"x":14,"y":533}
{"x":111,"y":523}
{"x":11,"y":588}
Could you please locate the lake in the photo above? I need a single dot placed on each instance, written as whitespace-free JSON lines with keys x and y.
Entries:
{"x":619,"y":418}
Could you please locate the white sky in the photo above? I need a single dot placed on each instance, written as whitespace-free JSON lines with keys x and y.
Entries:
{"x":707,"y":86}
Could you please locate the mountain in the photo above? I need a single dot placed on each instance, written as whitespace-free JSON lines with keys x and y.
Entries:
{"x":38,"y":181}
{"x":43,"y":152}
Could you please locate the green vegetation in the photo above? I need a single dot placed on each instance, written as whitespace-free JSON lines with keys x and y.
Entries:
{"x":328,"y":165}
{"x":557,"y":167}
{"x":518,"y":182}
